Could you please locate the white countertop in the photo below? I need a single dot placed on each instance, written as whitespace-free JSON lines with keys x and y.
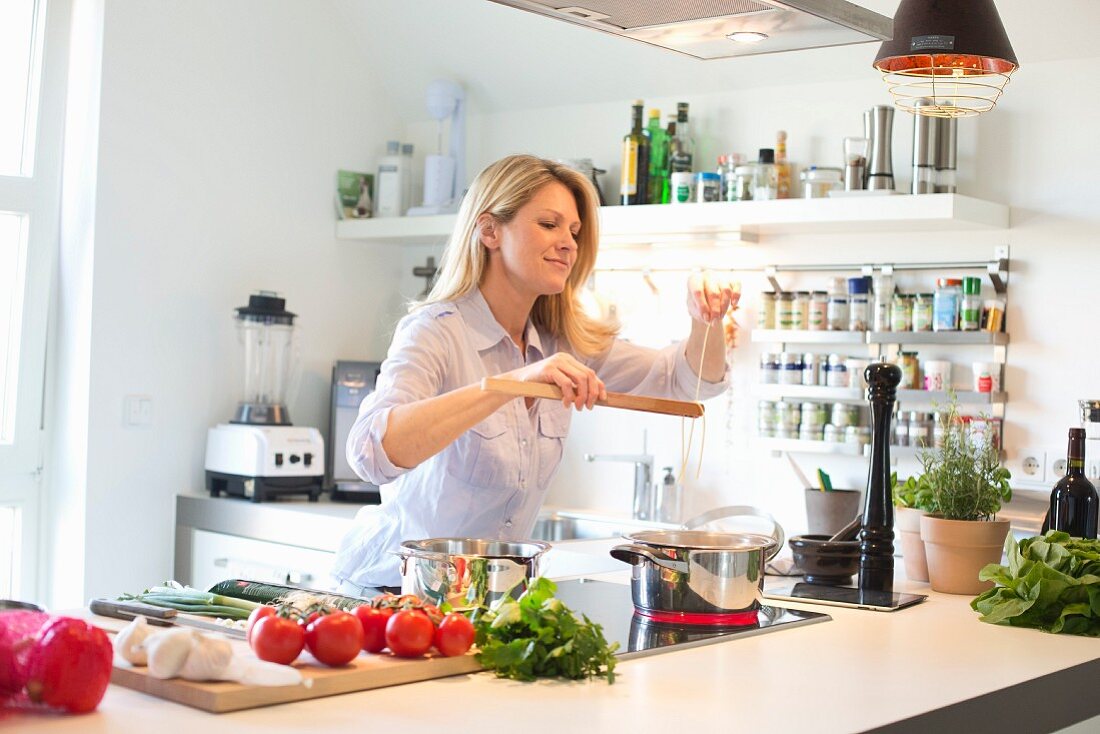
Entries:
{"x":859,"y":671}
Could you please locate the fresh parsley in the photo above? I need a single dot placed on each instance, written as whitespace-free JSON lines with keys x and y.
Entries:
{"x":537,"y":636}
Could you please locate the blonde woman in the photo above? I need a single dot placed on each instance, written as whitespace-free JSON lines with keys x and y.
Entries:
{"x":454,"y":461}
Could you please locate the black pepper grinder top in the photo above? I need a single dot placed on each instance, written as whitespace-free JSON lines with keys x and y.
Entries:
{"x":876,"y":538}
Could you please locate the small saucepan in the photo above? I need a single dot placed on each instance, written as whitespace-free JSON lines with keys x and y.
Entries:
{"x":700,"y":576}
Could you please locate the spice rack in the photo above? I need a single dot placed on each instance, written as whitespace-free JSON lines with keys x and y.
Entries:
{"x":884,"y":344}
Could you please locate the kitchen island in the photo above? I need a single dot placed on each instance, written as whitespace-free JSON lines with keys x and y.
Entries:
{"x":933,"y":667}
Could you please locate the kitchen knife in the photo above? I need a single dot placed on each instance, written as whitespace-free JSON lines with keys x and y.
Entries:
{"x":614,"y":400}
{"x":158,"y":616}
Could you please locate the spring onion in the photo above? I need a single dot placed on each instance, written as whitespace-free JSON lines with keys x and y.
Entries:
{"x":193,"y":601}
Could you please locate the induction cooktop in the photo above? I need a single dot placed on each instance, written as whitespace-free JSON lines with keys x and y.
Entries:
{"x":610,"y":606}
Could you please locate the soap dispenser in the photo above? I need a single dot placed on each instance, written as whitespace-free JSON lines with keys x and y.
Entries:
{"x":669,"y":498}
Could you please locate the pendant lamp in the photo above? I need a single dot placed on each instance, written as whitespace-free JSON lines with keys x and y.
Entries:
{"x":954,"y":54}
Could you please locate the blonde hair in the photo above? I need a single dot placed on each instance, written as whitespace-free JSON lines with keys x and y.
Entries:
{"x":500,"y":190}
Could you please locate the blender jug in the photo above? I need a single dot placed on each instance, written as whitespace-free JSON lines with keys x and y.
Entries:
{"x":265,"y":330}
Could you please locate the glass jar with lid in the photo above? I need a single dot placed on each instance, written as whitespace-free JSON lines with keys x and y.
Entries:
{"x":790,"y":368}
{"x":970,"y":308}
{"x":837,"y":309}
{"x":836,"y":375}
{"x":801,"y":314}
{"x":818,"y":182}
{"x":910,"y":371}
{"x":945,"y":304}
{"x":901,"y":313}
{"x":818,"y":319}
{"x":769,"y":368}
{"x":901,"y":430}
{"x":765,"y":315}
{"x":920,"y":430}
{"x":784,"y":310}
{"x":922,"y":312}
{"x":743,"y":178}
{"x":859,"y":308}
{"x":811,"y":369}
{"x":767,"y":418}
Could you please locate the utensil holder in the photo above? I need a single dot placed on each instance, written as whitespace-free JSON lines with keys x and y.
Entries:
{"x":827,"y":512}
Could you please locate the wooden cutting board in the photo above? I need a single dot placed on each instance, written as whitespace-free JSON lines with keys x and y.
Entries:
{"x":365,"y":672}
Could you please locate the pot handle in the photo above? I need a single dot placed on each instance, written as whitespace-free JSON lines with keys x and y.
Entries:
{"x":633,"y":553}
{"x":720,"y":513}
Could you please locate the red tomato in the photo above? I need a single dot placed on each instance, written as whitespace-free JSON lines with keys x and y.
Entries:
{"x":257,"y":614}
{"x":17,"y":632}
{"x":454,"y":636}
{"x":409,"y":633}
{"x":70,"y":665}
{"x":374,"y":627}
{"x":335,"y":639}
{"x":277,"y":639}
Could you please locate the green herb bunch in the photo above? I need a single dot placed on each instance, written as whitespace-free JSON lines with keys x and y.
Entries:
{"x":961,"y":480}
{"x":1051,"y":582}
{"x":538,"y":636}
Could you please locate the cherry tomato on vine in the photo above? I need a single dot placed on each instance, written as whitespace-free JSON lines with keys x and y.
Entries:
{"x":374,"y":627}
{"x":454,"y":636}
{"x":256,"y":615}
{"x":277,"y":639}
{"x":334,"y":639}
{"x":409,"y":633}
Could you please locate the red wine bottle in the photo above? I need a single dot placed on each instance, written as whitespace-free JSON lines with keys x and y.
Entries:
{"x":1074,"y":502}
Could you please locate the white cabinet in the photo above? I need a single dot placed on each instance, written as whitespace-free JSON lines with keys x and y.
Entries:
{"x":217,"y":556}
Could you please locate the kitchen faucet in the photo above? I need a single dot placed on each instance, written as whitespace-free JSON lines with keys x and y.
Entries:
{"x":644,"y":496}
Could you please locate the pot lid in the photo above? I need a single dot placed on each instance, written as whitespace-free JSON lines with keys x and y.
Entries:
{"x":703,"y":540}
{"x":479,"y":547}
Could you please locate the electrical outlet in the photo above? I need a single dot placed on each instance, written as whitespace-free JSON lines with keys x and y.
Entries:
{"x":1032,"y":465}
{"x":1058,"y":468}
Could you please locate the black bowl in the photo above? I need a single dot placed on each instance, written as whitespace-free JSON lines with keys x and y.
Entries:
{"x":825,"y":562}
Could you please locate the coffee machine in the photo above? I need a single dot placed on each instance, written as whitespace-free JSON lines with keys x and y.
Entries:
{"x":351,"y":382}
{"x":259,"y":455}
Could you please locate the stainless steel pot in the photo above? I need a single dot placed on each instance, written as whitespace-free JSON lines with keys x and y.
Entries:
{"x":466,"y":572}
{"x":700,"y":576}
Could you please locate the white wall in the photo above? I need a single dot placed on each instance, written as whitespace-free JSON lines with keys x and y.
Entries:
{"x":221,"y":128}
{"x":1021,"y":154}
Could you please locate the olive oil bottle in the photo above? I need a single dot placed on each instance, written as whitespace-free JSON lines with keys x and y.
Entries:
{"x":634,"y":186}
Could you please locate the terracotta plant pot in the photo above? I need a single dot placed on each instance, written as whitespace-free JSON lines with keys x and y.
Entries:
{"x":907,"y":523}
{"x":958,"y":549}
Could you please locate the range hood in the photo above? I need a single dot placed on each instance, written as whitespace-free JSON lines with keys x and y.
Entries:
{"x":700,"y":28}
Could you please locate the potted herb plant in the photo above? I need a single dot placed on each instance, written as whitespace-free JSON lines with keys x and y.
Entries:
{"x":962,"y":487}
{"x":912,"y":500}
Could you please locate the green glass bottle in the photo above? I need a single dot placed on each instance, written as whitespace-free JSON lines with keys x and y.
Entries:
{"x":670,"y":147}
{"x":634,"y":182}
{"x":658,"y":157}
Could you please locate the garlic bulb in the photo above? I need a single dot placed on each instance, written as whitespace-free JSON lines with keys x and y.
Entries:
{"x":209,"y":659}
{"x":168,"y":652}
{"x":128,"y":642}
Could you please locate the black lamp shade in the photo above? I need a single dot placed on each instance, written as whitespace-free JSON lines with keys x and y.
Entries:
{"x":961,"y":37}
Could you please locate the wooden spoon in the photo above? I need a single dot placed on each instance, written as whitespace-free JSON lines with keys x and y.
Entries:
{"x":614,"y":400}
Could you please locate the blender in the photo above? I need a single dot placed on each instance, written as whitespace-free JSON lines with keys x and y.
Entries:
{"x":259,"y":455}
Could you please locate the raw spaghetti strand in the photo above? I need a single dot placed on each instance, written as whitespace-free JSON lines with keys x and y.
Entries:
{"x":685,"y":452}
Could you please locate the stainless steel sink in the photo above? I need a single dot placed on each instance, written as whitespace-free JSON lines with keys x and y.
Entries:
{"x":558,"y":525}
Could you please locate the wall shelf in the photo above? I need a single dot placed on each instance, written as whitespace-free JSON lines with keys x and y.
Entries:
{"x":795,"y":445}
{"x":738,"y":221}
{"x":858,"y":396}
{"x":905,"y":338}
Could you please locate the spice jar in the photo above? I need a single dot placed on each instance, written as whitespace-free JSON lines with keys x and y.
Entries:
{"x":837,"y":373}
{"x":743,"y":178}
{"x":765,"y":315}
{"x":811,"y":433}
{"x":843,"y":415}
{"x":813,"y":414}
{"x":788,"y":416}
{"x":901,"y":430}
{"x":858,"y":435}
{"x":910,"y":371}
{"x":901,"y":313}
{"x":922,"y":312}
{"x":811,"y":369}
{"x":767,"y":418}
{"x":801,"y":314}
{"x":920,"y":429}
{"x":818,"y":182}
{"x":945,"y":304}
{"x":769,"y":368}
{"x":818,"y":318}
{"x":859,"y":310}
{"x":837,"y":310}
{"x":790,"y":368}
{"x":832,"y":434}
{"x":970,"y":309}
{"x":784,"y":310}
{"x":708,"y":186}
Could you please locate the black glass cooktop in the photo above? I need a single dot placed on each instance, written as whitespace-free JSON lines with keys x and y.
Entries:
{"x":610,"y":606}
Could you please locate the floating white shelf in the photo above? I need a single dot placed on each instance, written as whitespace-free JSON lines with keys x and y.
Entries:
{"x":947,"y":338}
{"x":794,"y":445}
{"x":859,"y":396}
{"x":730,"y":221}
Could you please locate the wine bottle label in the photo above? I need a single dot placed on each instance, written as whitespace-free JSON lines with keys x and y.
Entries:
{"x":629,"y":185}
{"x":1076,"y":463}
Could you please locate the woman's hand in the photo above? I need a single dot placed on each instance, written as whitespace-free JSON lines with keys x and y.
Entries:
{"x":711,"y":295}
{"x":580,"y":387}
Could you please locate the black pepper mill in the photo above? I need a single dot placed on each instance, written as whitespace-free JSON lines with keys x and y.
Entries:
{"x":876,"y":538}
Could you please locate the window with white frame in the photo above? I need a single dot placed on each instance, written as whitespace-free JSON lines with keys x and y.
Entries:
{"x":33,"y":52}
